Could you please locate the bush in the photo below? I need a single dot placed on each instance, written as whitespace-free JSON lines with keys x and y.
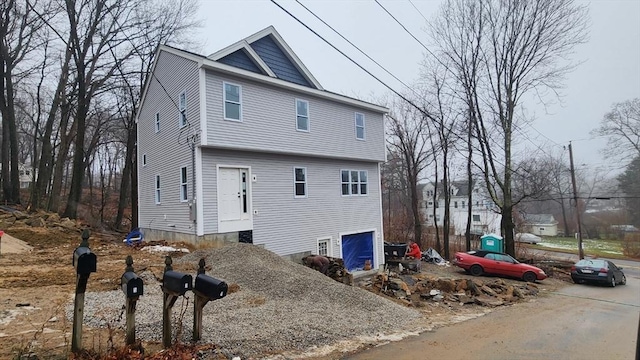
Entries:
{"x":631,"y":245}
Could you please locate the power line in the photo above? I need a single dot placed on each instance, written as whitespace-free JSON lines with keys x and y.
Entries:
{"x":418,"y":10}
{"x":356,"y":47}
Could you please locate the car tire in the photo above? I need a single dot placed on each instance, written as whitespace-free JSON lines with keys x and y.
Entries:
{"x":624,"y":280}
{"x":529,"y":277}
{"x":476,"y":270}
{"x":613,"y":281}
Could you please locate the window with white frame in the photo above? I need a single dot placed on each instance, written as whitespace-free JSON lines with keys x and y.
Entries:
{"x":462,"y":204}
{"x":302,"y":115}
{"x":182,"y":106}
{"x":455,"y":204}
{"x":157,"y":189}
{"x":359,"y":126}
{"x":144,"y":159}
{"x":300,"y":181}
{"x":232,"y":102}
{"x":354,"y":182}
{"x":157,"y":122}
{"x":184,"y":195}
{"x":476,"y":217}
{"x":323,"y":246}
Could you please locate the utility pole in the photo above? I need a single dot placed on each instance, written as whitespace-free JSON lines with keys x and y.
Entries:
{"x":575,"y":201}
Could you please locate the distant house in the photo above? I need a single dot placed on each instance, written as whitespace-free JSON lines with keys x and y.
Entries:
{"x":484,"y":217}
{"x":245,"y":145}
{"x":26,"y":175}
{"x":540,"y":224}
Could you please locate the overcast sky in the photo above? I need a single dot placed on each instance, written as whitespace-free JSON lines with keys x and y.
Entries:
{"x":609,"y":72}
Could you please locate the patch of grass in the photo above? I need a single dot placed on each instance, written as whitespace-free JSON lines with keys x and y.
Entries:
{"x":591,"y":247}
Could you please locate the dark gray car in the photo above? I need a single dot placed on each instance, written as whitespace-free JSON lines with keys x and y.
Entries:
{"x":597,"y":271}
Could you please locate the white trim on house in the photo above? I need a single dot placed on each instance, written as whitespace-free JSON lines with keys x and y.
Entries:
{"x":329,"y":241}
{"x":380,"y":198}
{"x":243,"y":45}
{"x":364,"y":127}
{"x":224,"y":101}
{"x":308,"y":129}
{"x":225,"y":226}
{"x":245,"y":148}
{"x":305,"y":182}
{"x":202,"y":88}
{"x":199,"y":193}
{"x":180,"y":110}
{"x":184,"y":197}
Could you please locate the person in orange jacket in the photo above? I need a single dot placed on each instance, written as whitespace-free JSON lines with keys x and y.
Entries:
{"x":414,"y":250}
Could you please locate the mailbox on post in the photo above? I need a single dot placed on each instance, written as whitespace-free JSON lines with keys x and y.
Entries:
{"x":176,"y":282}
{"x":206,"y":289}
{"x":210,"y":288}
{"x":131,"y":285}
{"x":84,"y":260}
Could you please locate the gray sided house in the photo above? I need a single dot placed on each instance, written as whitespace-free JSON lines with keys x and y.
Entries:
{"x":245,"y":145}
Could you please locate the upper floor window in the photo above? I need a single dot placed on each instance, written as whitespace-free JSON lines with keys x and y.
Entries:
{"x":359,"y":126}
{"x":182,"y":106}
{"x":354,"y":182}
{"x":302,"y":115}
{"x":462,"y":204}
{"x":455,"y":204}
{"x":300,"y":181}
{"x":232,"y":102}
{"x":157,"y":122}
{"x":429,"y":192}
{"x":476,"y":217}
{"x":184,"y":196}
{"x":157,"y":189}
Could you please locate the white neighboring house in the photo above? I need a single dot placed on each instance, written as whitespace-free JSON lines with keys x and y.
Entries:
{"x":26,"y":175}
{"x":540,"y":224}
{"x":245,"y":145}
{"x":484,"y":218}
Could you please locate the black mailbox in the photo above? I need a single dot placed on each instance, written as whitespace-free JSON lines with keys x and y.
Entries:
{"x":84,"y":260}
{"x":210,"y":288}
{"x":177,"y":282}
{"x":131,"y":284}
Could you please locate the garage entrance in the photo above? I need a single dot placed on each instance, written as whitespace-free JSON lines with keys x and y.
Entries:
{"x":356,"y":249}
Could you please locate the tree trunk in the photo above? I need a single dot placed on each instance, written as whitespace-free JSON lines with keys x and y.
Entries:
{"x":127,"y":178}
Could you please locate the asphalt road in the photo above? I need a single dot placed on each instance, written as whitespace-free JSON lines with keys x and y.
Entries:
{"x":580,"y":322}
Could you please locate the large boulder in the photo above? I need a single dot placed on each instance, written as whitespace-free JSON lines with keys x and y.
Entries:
{"x":35,"y":221}
{"x":68,"y":224}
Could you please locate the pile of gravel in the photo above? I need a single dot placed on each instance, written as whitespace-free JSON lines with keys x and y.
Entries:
{"x":280,"y":306}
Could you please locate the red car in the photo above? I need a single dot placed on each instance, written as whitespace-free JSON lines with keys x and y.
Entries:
{"x":480,"y":262}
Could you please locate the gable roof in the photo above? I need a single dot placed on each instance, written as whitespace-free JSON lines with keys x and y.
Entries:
{"x":539,"y":219}
{"x":267,"y":53}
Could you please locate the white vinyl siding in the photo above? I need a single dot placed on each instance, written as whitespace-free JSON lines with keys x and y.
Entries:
{"x":158,"y":189}
{"x":302,"y":115}
{"x":157,"y":126}
{"x":354,"y":182}
{"x":232,"y":101}
{"x":300,"y":182}
{"x":184,"y":195}
{"x":359,"y":126}
{"x":182,"y":107}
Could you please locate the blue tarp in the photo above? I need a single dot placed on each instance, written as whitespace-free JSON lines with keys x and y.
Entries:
{"x":134,"y":237}
{"x":356,"y":249}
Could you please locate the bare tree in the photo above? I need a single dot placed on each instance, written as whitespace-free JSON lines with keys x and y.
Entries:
{"x":621,"y":126}
{"x":502,"y":50}
{"x":407,"y":134}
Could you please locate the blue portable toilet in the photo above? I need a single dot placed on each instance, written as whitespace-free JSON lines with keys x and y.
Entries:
{"x":492,"y":242}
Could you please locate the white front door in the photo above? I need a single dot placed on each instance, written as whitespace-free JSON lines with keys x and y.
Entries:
{"x":234,"y":199}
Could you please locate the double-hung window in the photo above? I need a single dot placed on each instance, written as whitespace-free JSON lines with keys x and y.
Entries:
{"x":302,"y":115}
{"x":144,"y":159}
{"x":354,"y":182}
{"x":300,"y":181}
{"x":359,"y":126}
{"x":182,"y":106}
{"x":184,"y":196}
{"x":157,"y":189}
{"x":157,"y":122}
{"x":232,"y":101}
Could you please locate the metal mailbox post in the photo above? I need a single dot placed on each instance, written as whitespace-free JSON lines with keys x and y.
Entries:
{"x":85,"y":262}
{"x":206,"y":289}
{"x":132,"y":287}
{"x":174,"y":284}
